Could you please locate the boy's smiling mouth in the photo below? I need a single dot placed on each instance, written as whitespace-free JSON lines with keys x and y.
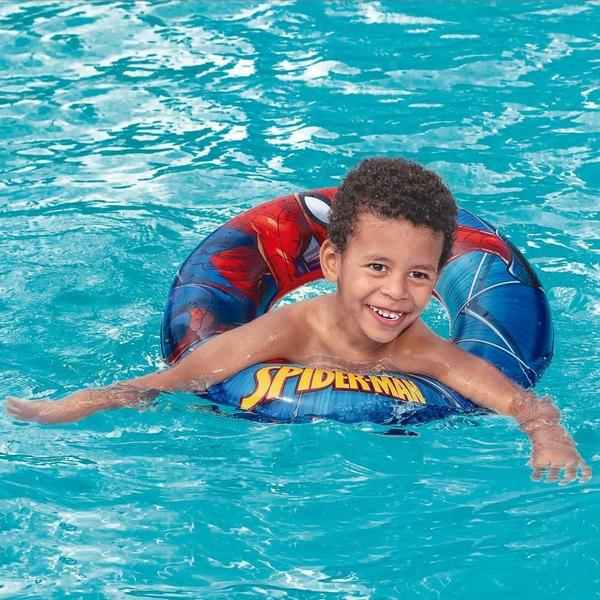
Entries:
{"x":388,"y":315}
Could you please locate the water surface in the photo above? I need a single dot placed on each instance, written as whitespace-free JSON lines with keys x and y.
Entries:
{"x":130,"y":130}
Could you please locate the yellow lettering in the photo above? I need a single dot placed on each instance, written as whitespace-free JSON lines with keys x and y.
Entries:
{"x":270,"y":382}
{"x":279,"y":380}
{"x":415,"y":391}
{"x":402,"y":391}
{"x":341,"y":381}
{"x":304,"y":381}
{"x":383,"y":385}
{"x":262,"y":381}
{"x":321,"y":379}
{"x":355,"y":380}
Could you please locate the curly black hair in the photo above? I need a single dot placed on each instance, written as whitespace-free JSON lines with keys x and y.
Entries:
{"x":393,"y":188}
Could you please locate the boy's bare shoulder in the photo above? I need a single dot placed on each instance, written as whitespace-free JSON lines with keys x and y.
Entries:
{"x":420,"y":350}
{"x":298,"y":319}
{"x":304,"y":316}
{"x":302,"y":311}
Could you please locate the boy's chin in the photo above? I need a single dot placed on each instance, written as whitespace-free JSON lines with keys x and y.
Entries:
{"x":386,"y":336}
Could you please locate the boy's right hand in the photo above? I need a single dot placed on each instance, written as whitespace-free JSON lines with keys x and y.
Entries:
{"x":29,"y":410}
{"x":42,"y":411}
{"x":76,"y":406}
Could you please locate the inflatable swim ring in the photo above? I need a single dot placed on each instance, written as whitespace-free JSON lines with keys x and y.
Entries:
{"x":495,"y":302}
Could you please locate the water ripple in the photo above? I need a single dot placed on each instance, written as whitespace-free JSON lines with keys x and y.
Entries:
{"x":130,"y":130}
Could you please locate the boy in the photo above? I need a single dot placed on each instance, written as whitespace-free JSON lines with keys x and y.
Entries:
{"x":390,"y":232}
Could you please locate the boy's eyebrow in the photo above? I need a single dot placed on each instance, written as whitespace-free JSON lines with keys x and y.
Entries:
{"x":424,"y":267}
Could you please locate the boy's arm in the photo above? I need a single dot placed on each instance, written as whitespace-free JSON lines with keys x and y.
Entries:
{"x":272,"y":335}
{"x":479,"y":381}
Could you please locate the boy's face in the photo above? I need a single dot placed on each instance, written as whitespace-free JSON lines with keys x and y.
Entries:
{"x":385,"y":276}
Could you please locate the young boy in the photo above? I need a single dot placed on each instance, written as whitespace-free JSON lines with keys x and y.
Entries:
{"x":390,"y":232}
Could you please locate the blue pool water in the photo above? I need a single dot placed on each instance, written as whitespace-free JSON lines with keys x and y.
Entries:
{"x":129,"y":130}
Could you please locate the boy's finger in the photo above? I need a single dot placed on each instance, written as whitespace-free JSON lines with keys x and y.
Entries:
{"x":536,"y":475}
{"x":570,"y":474}
{"x":553,"y":473}
{"x":11,"y":405}
{"x":586,"y":473}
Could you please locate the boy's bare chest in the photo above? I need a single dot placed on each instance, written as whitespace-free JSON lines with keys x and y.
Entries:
{"x":319,"y":344}
{"x":319,"y":347}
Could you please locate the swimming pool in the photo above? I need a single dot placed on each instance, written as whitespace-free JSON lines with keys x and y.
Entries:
{"x":130,"y":130}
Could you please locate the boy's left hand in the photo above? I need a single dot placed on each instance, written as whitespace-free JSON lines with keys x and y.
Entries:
{"x":552,"y":453}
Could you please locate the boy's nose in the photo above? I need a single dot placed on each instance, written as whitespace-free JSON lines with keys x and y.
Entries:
{"x":395,"y":289}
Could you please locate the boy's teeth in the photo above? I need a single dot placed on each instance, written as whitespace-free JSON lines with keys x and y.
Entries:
{"x":386,"y":314}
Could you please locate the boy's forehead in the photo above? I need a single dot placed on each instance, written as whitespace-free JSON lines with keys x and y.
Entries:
{"x":377,"y":234}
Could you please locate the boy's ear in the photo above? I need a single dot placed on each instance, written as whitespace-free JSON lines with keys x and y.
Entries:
{"x":330,"y":261}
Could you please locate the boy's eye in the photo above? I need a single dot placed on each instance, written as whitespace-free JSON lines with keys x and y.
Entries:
{"x":419,"y":275}
{"x":380,"y":268}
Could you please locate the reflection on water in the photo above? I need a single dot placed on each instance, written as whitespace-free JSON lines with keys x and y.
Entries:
{"x":128,"y":132}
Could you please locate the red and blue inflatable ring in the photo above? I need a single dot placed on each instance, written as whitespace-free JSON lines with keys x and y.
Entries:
{"x":495,"y":302}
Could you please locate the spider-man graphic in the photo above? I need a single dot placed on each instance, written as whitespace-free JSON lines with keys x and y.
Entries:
{"x":245,"y":266}
{"x":250,"y":262}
